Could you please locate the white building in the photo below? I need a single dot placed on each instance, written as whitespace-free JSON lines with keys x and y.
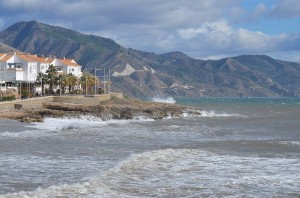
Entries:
{"x":21,"y":68}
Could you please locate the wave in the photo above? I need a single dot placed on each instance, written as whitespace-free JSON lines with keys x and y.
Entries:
{"x":291,"y":143}
{"x":55,"y":126}
{"x":164,"y":100}
{"x":184,"y":173}
{"x":211,"y":114}
{"x":83,"y":122}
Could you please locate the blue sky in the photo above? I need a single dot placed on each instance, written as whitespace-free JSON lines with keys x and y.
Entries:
{"x":205,"y":29}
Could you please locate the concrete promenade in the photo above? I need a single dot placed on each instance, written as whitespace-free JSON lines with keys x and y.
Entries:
{"x":36,"y":103}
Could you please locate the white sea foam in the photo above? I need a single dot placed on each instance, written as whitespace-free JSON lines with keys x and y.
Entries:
{"x":55,"y":124}
{"x":164,"y":100}
{"x":213,"y":114}
{"x":210,"y":114}
{"x":292,"y":143}
{"x":26,"y":134}
{"x":184,"y":173}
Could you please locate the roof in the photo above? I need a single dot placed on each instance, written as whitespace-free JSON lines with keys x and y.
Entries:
{"x":26,"y":57}
{"x":69,"y":62}
{"x":41,"y":59}
{"x":5,"y":57}
{"x":35,"y":58}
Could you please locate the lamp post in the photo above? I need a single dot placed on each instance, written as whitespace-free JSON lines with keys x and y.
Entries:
{"x":20,"y":89}
{"x":42,"y":85}
{"x":28,"y":88}
{"x":86,"y":76}
{"x":95,"y":87}
{"x":109,"y":75}
{"x":60,"y":85}
{"x":86,"y":85}
{"x":104,"y":82}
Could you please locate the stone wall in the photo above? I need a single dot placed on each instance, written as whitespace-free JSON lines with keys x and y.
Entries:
{"x":35,"y":103}
{"x":87,"y":100}
{"x":32,"y":103}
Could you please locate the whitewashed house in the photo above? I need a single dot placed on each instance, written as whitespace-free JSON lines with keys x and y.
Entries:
{"x":69,"y":66}
{"x":17,"y":69}
{"x":28,"y":65}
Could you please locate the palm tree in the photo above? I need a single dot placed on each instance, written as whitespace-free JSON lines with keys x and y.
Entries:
{"x":41,"y":78}
{"x":87,"y":81}
{"x":51,"y":77}
{"x":83,"y":82}
{"x":72,"y":82}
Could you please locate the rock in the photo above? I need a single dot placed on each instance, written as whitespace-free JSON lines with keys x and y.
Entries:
{"x":110,"y":109}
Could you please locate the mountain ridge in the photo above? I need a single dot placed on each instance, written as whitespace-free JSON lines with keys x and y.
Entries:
{"x":169,"y":74}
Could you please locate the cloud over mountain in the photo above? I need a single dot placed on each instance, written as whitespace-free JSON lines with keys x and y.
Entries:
{"x":200,"y":28}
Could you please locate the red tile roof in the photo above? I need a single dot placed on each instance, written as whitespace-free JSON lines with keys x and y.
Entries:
{"x":5,"y":57}
{"x":69,"y":62}
{"x":26,"y":58}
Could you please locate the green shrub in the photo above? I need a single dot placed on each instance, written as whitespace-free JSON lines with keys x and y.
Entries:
{"x":7,"y":95}
{"x":7,"y":98}
{"x":24,"y":93}
{"x":76,"y":91}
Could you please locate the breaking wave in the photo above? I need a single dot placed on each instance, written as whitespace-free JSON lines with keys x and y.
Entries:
{"x":184,"y":173}
{"x":211,"y":114}
{"x":164,"y":100}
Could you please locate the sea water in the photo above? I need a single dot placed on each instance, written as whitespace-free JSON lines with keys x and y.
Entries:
{"x":236,"y":148}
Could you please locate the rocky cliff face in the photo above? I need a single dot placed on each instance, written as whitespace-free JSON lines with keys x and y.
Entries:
{"x":6,"y":48}
{"x":159,"y":74}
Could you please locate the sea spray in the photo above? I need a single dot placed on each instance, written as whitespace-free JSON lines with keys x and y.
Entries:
{"x":169,"y":100}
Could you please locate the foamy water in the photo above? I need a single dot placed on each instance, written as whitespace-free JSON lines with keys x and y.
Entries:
{"x":164,"y":100}
{"x":230,"y":150}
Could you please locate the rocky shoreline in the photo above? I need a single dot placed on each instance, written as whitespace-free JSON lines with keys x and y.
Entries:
{"x":125,"y":108}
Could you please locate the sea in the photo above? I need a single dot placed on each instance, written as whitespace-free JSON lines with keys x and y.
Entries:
{"x":237,"y":147}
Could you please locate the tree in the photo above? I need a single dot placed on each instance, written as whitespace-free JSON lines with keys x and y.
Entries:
{"x":41,"y":78}
{"x":51,"y":77}
{"x":71,"y":82}
{"x":87,"y":81}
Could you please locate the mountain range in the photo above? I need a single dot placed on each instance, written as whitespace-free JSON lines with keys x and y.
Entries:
{"x":147,"y":74}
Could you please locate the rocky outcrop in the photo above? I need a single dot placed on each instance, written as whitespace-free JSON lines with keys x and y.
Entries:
{"x":118,"y":109}
{"x":114,"y":108}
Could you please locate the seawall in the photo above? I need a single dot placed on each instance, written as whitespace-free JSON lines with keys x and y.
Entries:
{"x":36,"y":103}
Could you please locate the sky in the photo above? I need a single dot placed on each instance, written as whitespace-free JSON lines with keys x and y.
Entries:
{"x":204,"y":29}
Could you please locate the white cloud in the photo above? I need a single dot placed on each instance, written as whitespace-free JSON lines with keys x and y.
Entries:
{"x":201,"y":28}
{"x":213,"y":39}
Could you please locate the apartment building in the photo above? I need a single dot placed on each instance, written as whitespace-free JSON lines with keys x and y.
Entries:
{"x":20,"y":68}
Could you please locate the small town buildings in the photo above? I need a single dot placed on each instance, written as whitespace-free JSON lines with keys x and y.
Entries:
{"x":17,"y":69}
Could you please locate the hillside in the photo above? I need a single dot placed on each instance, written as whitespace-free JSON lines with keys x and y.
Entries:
{"x":5,"y":48}
{"x":145,"y":74}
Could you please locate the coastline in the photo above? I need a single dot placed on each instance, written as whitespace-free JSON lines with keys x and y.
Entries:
{"x":112,"y":108}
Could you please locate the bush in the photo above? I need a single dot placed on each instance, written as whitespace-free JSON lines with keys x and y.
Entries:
{"x":7,"y":98}
{"x":76,"y":91}
{"x":7,"y":95}
{"x":24,"y":94}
